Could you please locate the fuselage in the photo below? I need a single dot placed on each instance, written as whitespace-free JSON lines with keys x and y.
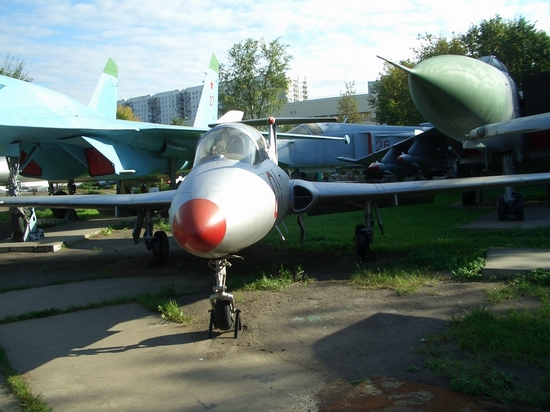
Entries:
{"x":313,"y":155}
{"x":457,"y":94}
{"x":232,"y":197}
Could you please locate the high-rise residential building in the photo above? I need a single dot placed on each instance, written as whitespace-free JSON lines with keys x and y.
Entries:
{"x":297,"y":90}
{"x":164,"y":107}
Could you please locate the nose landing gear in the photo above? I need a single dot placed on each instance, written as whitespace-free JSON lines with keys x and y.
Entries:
{"x":223,"y":314}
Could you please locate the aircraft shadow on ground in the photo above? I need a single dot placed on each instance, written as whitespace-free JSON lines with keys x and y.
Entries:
{"x":77,"y":334}
{"x":382,"y":344}
{"x":180,"y":338}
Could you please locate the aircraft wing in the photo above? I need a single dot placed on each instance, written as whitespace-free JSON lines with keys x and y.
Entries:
{"x":527,"y":124}
{"x":326,"y":197}
{"x":386,"y":154}
{"x":154,"y":201}
{"x":308,"y":196}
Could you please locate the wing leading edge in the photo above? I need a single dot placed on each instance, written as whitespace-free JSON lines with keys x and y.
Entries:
{"x":306,"y":195}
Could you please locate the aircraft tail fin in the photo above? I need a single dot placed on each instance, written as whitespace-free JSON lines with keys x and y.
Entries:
{"x":207,"y":112}
{"x":231,"y":116}
{"x":105,"y":95}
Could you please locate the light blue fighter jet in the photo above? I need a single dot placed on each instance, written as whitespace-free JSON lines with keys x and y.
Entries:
{"x":47,"y":135}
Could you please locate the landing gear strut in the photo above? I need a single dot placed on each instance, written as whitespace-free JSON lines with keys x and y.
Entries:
{"x":157,"y":243}
{"x":364,"y":234}
{"x":510,"y":204}
{"x":223,"y":314}
{"x":23,"y":220}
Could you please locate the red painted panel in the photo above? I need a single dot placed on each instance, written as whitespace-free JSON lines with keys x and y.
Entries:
{"x":32,"y":169}
{"x":98,"y":164}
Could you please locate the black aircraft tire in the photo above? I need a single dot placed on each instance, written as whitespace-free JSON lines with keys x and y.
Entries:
{"x":161,"y":246}
{"x":519,"y":206}
{"x":361,"y":241}
{"x":224,"y":320}
{"x":18,"y":226}
{"x":502,"y":210}
{"x":59,"y":213}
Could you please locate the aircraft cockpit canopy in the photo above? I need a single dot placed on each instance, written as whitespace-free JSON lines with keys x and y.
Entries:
{"x":232,"y":141}
{"x":307,"y":129}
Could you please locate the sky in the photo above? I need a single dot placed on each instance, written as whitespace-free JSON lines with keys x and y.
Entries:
{"x":162,"y":46}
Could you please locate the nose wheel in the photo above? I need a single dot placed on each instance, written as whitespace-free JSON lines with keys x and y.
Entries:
{"x":223,"y":315}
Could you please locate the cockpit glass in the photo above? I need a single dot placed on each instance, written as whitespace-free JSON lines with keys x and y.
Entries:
{"x":308,"y":128}
{"x":231,"y":142}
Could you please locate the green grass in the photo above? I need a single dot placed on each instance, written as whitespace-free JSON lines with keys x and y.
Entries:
{"x":170,"y":311}
{"x":427,"y":234}
{"x":151,"y":301}
{"x":534,"y":284}
{"x":493,"y":348}
{"x":400,"y":280}
{"x":283,"y":279}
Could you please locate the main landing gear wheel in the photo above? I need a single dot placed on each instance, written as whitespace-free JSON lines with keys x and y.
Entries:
{"x":63,"y":213}
{"x":18,"y":226}
{"x":361,"y":241}
{"x":160,"y":247}
{"x":514,"y":210}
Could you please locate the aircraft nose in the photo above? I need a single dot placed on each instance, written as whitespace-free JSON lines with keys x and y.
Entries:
{"x":199,"y":225}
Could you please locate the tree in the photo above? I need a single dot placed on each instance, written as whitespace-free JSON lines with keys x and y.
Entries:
{"x":347,"y":106}
{"x":177,"y":121}
{"x":255,"y":80}
{"x":125,"y":112}
{"x":516,"y":43}
{"x":13,"y":66}
{"x":438,"y":45}
{"x":390,"y":98}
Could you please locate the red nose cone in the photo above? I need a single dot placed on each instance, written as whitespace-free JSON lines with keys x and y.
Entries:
{"x":199,"y":225}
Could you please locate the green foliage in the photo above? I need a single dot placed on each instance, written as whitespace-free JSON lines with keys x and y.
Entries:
{"x":402,"y":281}
{"x":348,"y":108}
{"x":177,"y":121}
{"x":14,"y":66}
{"x":163,"y":185}
{"x":438,"y":45}
{"x":536,"y":283}
{"x":170,"y":311}
{"x":125,"y":112}
{"x":17,"y":384}
{"x":255,"y":80}
{"x":106,"y":231}
{"x":516,"y":43}
{"x":489,"y":342}
{"x":284,"y":279}
{"x":390,"y":98}
{"x":152,"y":301}
{"x":162,"y":224}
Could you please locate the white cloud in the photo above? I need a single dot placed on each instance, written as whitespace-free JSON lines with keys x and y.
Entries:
{"x":161,"y":46}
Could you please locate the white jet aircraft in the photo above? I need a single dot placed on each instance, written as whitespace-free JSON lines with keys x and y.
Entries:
{"x":236,"y":193}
